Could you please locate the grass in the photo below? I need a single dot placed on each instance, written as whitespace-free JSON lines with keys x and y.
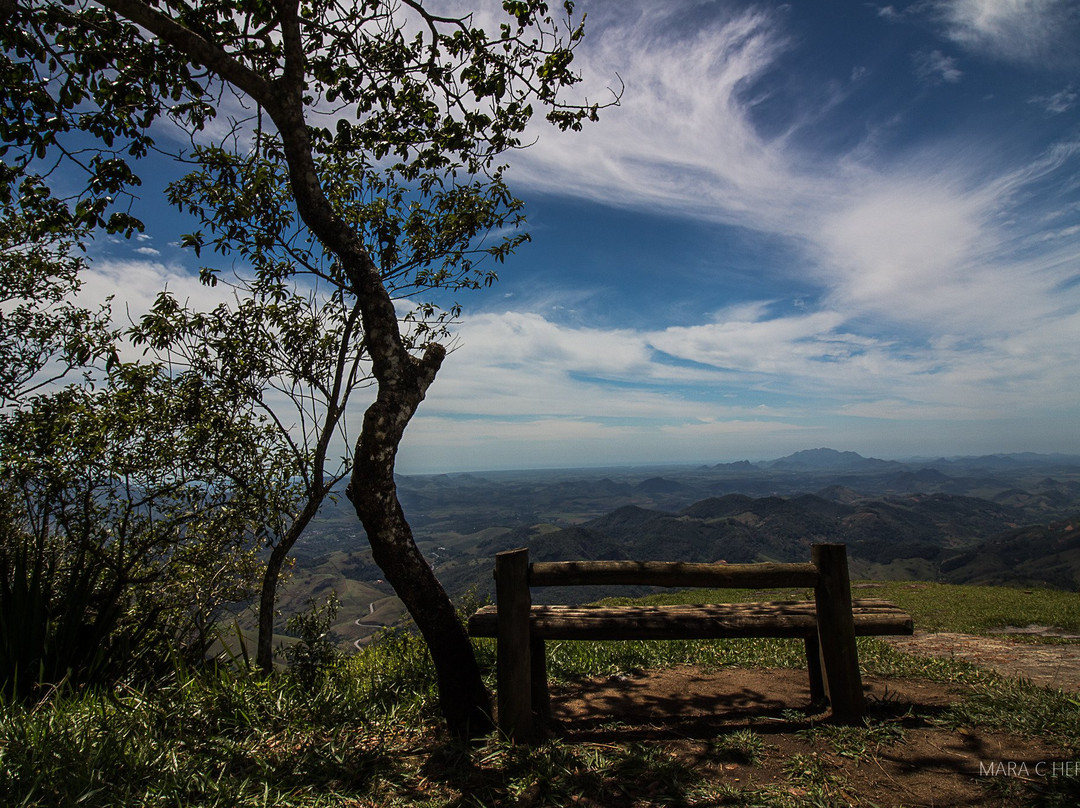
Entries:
{"x":741,"y":746}
{"x":981,"y":609}
{"x":1022,"y":708}
{"x":856,"y":743}
{"x":368,"y":733}
{"x":224,"y":738}
{"x":568,"y":660}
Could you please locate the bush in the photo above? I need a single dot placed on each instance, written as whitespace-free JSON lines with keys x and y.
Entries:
{"x":121,"y":540}
{"x":314,"y":654}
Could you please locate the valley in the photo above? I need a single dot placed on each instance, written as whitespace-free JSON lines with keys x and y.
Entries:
{"x":1001,"y":519}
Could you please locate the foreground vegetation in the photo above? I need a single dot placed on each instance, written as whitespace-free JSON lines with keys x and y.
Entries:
{"x":365,"y":732}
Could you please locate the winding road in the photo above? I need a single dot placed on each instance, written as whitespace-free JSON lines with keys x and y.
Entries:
{"x":366,"y":622}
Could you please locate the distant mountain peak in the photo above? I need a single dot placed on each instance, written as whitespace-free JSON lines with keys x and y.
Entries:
{"x":739,"y":465}
{"x":825,"y":459}
{"x":659,"y":485}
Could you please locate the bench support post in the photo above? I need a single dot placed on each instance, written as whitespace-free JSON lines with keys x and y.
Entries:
{"x":813,"y":667}
{"x":513,"y":646}
{"x":836,"y":634}
{"x":541,"y":698}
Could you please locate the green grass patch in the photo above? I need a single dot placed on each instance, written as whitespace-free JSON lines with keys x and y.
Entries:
{"x":222,"y":739}
{"x":1023,"y":708}
{"x":856,"y":743}
{"x":572,"y":659}
{"x":741,"y":746}
{"x":981,"y":609}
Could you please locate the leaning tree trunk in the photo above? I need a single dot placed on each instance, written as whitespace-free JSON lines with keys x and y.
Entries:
{"x":464,"y":700}
{"x":402,"y":381}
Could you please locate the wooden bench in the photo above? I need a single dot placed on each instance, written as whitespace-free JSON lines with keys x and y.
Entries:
{"x":828,"y":624}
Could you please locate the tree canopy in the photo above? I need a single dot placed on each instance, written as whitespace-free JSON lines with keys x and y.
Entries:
{"x":44,"y":335}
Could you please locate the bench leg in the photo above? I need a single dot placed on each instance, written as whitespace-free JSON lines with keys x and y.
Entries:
{"x":836,"y":634}
{"x":514,"y":665}
{"x":541,"y":699}
{"x":813,"y":667}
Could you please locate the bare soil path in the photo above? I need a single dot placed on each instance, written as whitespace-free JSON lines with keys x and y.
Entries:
{"x":683,"y":711}
{"x":1011,"y":654}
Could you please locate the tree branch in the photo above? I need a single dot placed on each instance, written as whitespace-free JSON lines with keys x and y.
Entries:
{"x":187,"y":41}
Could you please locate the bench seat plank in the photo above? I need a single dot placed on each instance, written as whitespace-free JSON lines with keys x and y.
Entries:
{"x":693,"y":622}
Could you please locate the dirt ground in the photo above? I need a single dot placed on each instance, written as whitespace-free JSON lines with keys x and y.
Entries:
{"x":685,"y":710}
{"x":1050,"y":665}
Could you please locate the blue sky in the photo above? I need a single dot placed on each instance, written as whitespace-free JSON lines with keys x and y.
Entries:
{"x":839,"y":224}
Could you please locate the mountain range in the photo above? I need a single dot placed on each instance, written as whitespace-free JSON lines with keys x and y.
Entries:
{"x":1000,"y":519}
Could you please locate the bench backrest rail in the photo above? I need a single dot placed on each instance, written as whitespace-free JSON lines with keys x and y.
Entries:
{"x":672,"y":574}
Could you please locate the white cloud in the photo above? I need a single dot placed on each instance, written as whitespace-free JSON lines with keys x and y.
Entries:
{"x":744,"y":340}
{"x":1038,"y":32}
{"x":915,"y":251}
{"x":936,"y":67}
{"x":523,"y":391}
{"x":1057,"y":103}
{"x":682,"y":138}
{"x":133,"y":286}
{"x":521,"y":365}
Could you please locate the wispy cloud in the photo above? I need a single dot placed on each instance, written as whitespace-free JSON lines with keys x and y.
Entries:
{"x":1030,"y":31}
{"x":1057,"y":103}
{"x":928,"y":240}
{"x":524,"y":366}
{"x":935,"y":66}
{"x":682,"y":139}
